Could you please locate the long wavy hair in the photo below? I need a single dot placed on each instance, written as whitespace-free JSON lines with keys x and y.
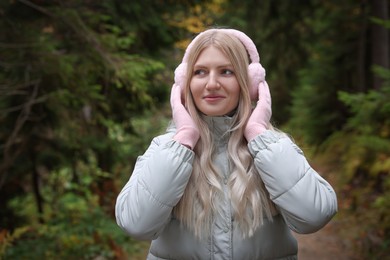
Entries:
{"x":249,"y":198}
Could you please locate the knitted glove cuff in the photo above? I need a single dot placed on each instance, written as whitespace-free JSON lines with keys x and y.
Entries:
{"x":187,"y":136}
{"x":253,"y":130}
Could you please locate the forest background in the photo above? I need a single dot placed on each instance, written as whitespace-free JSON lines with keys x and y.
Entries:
{"x":84,"y":86}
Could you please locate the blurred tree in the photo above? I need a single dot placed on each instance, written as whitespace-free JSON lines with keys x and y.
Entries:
{"x":327,"y":65}
{"x":279,"y":30}
{"x":79,"y":80}
{"x":70,"y":72}
{"x":380,"y":38}
{"x":331,"y":66}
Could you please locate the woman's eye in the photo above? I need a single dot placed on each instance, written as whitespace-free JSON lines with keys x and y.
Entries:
{"x":199,"y":72}
{"x":227,"y":72}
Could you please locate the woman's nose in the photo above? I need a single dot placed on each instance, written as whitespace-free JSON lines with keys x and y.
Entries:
{"x":212,"y":82}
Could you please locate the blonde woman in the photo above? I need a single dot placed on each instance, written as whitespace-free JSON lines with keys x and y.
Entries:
{"x":222,"y":183}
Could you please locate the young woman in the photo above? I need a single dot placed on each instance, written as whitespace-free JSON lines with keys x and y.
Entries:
{"x":222,"y":183}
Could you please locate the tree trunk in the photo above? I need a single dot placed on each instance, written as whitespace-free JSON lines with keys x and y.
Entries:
{"x":380,"y":39}
{"x":36,"y":187}
{"x":362,"y":49}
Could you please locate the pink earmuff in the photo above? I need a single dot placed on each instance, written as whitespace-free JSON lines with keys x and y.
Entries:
{"x":256,"y":72}
{"x":180,"y":73}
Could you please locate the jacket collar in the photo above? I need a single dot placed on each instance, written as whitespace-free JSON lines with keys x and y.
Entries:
{"x":219,"y":126}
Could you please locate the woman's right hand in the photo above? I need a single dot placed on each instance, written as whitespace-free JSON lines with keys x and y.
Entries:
{"x":186,"y":131}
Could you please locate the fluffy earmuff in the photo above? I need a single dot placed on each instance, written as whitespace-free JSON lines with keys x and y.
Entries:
{"x":180,"y":73}
{"x":256,"y":76}
{"x":256,"y":72}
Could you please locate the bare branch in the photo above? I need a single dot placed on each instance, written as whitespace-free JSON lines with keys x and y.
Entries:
{"x":16,"y":92}
{"x":12,"y":87}
{"x":84,"y":33}
{"x":22,"y":106}
{"x":17,"y":45}
{"x":20,"y":121}
{"x":36,"y":7}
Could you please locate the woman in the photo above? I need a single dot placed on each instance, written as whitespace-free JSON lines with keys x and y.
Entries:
{"x":222,"y":183}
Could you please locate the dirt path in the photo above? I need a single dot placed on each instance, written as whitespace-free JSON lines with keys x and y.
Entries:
{"x":324,"y":245}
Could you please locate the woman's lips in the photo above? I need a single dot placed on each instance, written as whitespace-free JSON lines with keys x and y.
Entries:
{"x":213,"y":98}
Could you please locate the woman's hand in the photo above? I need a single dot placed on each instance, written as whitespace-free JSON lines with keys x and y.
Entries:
{"x":261,"y":115}
{"x":186,"y":131}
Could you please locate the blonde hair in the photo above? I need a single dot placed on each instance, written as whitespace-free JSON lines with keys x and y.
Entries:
{"x":249,"y":198}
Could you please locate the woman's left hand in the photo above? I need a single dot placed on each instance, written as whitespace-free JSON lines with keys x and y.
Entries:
{"x":186,"y":131}
{"x":261,"y":115}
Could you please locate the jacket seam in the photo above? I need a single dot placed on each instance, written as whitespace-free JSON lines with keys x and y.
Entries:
{"x":152,"y":195}
{"x":296,"y":183}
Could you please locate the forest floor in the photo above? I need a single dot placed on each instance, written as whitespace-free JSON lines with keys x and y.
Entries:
{"x":325,"y":244}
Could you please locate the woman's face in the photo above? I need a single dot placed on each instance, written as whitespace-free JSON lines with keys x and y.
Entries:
{"x":214,"y":85}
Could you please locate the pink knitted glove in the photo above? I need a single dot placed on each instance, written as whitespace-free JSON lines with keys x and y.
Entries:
{"x":261,"y":115}
{"x":186,"y":131}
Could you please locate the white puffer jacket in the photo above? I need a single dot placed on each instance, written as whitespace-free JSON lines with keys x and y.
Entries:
{"x":305,"y":201}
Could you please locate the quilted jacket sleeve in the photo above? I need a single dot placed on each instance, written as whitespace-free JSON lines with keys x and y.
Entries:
{"x":158,"y":181}
{"x":306,"y":201}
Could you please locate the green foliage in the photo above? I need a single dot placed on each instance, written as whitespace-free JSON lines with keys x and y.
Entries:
{"x":64,"y":76}
{"x":7,"y":239}
{"x":77,"y":220}
{"x":316,"y":110}
{"x":362,"y":151}
{"x":384,"y":23}
{"x":76,"y":86}
{"x":76,"y":228}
